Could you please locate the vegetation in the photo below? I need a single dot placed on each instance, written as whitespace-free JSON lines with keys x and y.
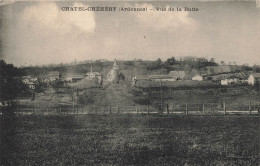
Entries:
{"x":87,"y":98}
{"x":10,"y":84}
{"x":130,"y":140}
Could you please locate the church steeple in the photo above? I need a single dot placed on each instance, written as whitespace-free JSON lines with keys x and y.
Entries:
{"x":91,"y":68}
{"x":115,"y":65}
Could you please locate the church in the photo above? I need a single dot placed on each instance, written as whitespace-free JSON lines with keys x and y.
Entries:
{"x":93,"y":76}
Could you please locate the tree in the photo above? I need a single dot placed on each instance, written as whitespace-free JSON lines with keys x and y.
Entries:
{"x":158,"y":61}
{"x":256,"y":68}
{"x":141,"y":96}
{"x":57,"y":84}
{"x":10,"y":82}
{"x":156,"y":65}
{"x":170,"y":61}
{"x":212,"y":60}
{"x":40,"y":86}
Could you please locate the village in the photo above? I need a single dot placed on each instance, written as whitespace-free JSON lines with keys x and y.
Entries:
{"x":177,"y":86}
{"x":223,"y":75}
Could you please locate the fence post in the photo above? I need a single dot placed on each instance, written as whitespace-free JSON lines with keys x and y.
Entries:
{"x":203,"y":108}
{"x":249,"y":107}
{"x":148,"y":111}
{"x":136,"y":110}
{"x":186,"y":109}
{"x":224,"y":108}
{"x":167,"y":107}
{"x":82,"y":110}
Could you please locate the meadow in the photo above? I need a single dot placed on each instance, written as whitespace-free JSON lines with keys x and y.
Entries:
{"x":129,"y":140}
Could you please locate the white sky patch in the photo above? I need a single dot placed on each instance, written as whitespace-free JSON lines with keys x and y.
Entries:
{"x":44,"y":34}
{"x":164,"y":20}
{"x":49,"y":16}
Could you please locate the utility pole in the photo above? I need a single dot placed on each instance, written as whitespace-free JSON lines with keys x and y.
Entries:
{"x":161,"y":102}
{"x":72,"y":102}
{"x":161,"y":92}
{"x":73,"y":99}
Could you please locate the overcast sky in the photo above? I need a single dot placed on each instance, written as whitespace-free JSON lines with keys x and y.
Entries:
{"x":36,"y":33}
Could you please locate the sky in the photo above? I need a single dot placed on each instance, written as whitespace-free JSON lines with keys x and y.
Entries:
{"x":40,"y":33}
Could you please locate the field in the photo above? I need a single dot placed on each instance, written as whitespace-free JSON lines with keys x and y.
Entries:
{"x":129,"y":140}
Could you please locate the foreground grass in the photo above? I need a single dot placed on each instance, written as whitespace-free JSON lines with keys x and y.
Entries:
{"x":130,"y":140}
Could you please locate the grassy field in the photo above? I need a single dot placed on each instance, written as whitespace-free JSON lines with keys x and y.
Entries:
{"x":130,"y":140}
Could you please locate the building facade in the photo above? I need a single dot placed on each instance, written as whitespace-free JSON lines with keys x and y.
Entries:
{"x":254,"y":78}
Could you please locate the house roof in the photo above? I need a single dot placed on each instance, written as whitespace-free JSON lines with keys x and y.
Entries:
{"x":256,"y":75}
{"x":43,"y":76}
{"x":160,"y":77}
{"x":180,"y":74}
{"x":30,"y":83}
{"x":142,"y":78}
{"x":24,"y":77}
{"x":197,"y":75}
{"x":211,"y":70}
{"x":54,"y":74}
{"x":194,"y":72}
{"x":96,"y":73}
{"x":229,"y":75}
{"x":75,"y":76}
{"x":203,"y":72}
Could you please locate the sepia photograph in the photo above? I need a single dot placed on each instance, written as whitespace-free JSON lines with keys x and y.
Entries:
{"x":130,"y":82}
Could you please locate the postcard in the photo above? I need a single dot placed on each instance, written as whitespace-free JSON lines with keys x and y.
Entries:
{"x":129,"y":82}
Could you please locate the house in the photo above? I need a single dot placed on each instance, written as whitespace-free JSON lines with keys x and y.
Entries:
{"x":150,"y":78}
{"x":26,"y":79}
{"x":230,"y":79}
{"x":54,"y":75}
{"x":161,"y":78}
{"x":140,"y":78}
{"x":177,"y":75}
{"x":73,"y":77}
{"x":93,"y":76}
{"x":43,"y":78}
{"x":136,"y":79}
{"x":31,"y":85}
{"x":29,"y":81}
{"x":197,"y":78}
{"x":194,"y":75}
{"x":254,"y":78}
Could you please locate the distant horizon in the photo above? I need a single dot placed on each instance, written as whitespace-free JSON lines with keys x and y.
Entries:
{"x":178,"y":59}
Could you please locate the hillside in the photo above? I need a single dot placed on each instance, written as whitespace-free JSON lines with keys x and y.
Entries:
{"x":115,"y":95}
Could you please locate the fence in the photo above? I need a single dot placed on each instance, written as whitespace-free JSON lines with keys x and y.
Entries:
{"x":224,"y":108}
